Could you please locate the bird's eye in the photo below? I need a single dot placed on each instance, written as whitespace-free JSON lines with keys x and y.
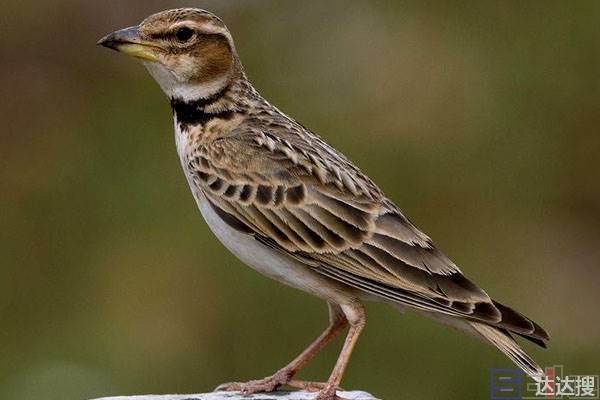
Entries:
{"x":184,"y":34}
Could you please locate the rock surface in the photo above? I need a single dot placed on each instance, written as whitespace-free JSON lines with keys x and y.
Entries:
{"x":279,"y":395}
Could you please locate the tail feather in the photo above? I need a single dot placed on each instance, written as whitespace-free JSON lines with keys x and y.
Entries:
{"x":506,"y":344}
{"x":516,"y":322}
{"x":535,"y":340}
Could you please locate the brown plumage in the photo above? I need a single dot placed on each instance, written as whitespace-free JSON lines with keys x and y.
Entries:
{"x":267,"y":185}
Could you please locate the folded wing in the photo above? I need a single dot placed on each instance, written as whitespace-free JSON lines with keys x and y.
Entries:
{"x":313,"y":204}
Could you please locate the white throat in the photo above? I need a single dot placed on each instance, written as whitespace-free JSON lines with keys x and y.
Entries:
{"x":174,"y":87}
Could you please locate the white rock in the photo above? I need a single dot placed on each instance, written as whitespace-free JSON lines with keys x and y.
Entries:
{"x":279,"y":395}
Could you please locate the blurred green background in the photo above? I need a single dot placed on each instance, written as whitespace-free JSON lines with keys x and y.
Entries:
{"x":480,"y":119}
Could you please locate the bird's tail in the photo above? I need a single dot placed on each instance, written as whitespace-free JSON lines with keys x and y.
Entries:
{"x":502,"y":339}
{"x":498,"y":336}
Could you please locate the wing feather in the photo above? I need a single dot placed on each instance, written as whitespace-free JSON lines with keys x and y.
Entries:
{"x":317,"y":207}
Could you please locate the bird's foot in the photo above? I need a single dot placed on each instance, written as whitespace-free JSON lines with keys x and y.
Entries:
{"x":328,"y":393}
{"x":268,"y":384}
{"x":309,"y":386}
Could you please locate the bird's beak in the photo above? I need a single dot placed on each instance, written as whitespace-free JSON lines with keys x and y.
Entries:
{"x":128,"y":41}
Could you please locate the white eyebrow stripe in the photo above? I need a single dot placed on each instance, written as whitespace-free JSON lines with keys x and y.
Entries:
{"x":208,"y":27}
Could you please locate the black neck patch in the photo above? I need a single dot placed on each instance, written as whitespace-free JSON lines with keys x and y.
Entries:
{"x":189,"y":113}
{"x":193,"y":112}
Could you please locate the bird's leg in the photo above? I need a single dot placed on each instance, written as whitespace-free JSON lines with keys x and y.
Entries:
{"x":356,"y":317}
{"x":337,"y":322}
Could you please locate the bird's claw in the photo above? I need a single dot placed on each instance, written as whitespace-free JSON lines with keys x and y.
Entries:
{"x":283,"y":377}
{"x":328,"y":393}
{"x":309,"y":386}
{"x":268,"y":384}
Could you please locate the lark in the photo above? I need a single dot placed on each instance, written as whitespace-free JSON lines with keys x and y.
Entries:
{"x":295,"y":209}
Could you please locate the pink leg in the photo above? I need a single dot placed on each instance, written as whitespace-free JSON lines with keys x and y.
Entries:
{"x":337,"y":322}
{"x":357,"y":323}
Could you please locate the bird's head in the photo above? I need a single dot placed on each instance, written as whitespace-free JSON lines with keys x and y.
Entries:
{"x":188,"y":51}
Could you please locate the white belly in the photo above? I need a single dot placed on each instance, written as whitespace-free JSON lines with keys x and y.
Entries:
{"x":271,"y":263}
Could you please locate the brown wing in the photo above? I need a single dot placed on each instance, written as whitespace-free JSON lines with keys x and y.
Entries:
{"x":313,"y":204}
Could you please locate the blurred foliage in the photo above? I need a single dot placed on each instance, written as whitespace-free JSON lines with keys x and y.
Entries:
{"x":479,"y":118}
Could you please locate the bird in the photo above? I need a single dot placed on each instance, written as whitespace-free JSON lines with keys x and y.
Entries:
{"x":297,"y":210}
